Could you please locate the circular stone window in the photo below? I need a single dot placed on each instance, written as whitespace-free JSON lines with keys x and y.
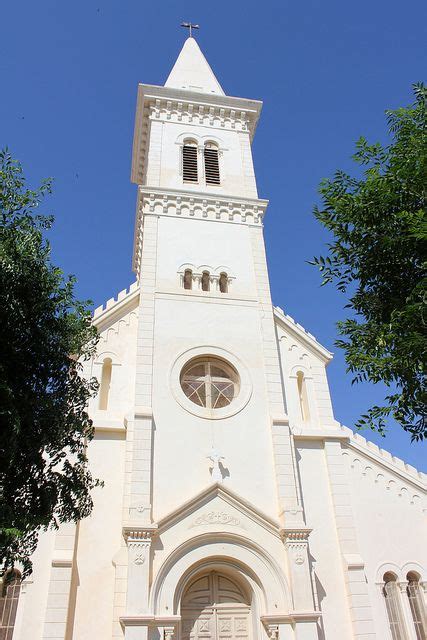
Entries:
{"x":210,"y":382}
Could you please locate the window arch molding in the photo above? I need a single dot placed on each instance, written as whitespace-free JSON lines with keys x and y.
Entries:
{"x":417,"y":569}
{"x":210,"y":351}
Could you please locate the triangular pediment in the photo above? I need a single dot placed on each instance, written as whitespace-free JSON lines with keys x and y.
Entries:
{"x":218,"y":507}
{"x":192,"y":71}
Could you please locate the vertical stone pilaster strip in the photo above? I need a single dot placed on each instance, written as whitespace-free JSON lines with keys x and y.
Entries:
{"x":275,"y":389}
{"x":357,"y":588}
{"x":142,"y":428}
{"x":58,"y":599}
{"x":247,"y":164}
{"x":286,"y":475}
{"x":296,"y":543}
{"x":154,"y":153}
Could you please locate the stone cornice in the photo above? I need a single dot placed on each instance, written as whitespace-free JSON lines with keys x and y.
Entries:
{"x":307,"y":337}
{"x":180,"y":105}
{"x":199,"y":205}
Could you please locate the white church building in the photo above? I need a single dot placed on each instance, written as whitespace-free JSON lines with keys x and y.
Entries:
{"x":235,"y":506}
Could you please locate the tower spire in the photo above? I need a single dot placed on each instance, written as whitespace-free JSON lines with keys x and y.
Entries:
{"x":192,"y":71}
{"x":190,"y":27}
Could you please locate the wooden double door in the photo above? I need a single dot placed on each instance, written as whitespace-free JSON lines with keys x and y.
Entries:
{"x":214,"y":607}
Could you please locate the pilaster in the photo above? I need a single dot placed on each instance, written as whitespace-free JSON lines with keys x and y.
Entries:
{"x":58,"y":614}
{"x":138,"y":541}
{"x":353,"y":564}
{"x":296,"y":544}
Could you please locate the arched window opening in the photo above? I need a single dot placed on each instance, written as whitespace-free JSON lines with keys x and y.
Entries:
{"x":189,"y":162}
{"x":416,"y":603}
{"x":205,"y":281}
{"x":11,"y":588}
{"x":104,"y":392}
{"x":223,"y":283}
{"x":211,"y":157}
{"x":188,"y":279}
{"x":392,"y":601}
{"x":303,"y":397}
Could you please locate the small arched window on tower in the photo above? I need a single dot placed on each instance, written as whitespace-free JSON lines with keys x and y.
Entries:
{"x":391,"y":595}
{"x":104,"y":391}
{"x":11,"y":588}
{"x":416,"y":603}
{"x":188,"y":279}
{"x":223,"y":283}
{"x":189,"y":162}
{"x":205,"y":281}
{"x":211,"y":156}
{"x":303,"y":396}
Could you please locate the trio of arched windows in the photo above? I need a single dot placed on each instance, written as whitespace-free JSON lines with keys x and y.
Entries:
{"x":206,"y":280}
{"x":10,"y":590}
{"x":393,"y":601}
{"x":190,"y":163}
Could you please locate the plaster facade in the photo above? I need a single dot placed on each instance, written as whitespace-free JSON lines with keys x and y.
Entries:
{"x":263,"y":517}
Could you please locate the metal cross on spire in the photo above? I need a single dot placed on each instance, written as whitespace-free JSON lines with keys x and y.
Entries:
{"x":190,"y":27}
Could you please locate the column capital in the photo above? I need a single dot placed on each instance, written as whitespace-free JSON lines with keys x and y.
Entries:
{"x":139,"y":534}
{"x":169,"y":633}
{"x":295,"y":535}
{"x":403,"y":584}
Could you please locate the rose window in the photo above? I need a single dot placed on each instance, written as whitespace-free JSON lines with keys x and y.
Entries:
{"x":210,"y":383}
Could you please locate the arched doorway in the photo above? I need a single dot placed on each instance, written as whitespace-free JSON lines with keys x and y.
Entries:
{"x":215,"y":607}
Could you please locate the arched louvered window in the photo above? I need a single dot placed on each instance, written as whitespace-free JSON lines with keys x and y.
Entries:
{"x":189,"y":162}
{"x":223,"y":283}
{"x":104,"y":391}
{"x":416,"y":603}
{"x":303,"y":397}
{"x":205,"y":281}
{"x":9,"y":603}
{"x":211,"y":164}
{"x":391,"y":595}
{"x":188,"y":279}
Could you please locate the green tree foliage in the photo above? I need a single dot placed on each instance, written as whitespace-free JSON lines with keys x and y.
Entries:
{"x":378,"y":258}
{"x":45,"y":335}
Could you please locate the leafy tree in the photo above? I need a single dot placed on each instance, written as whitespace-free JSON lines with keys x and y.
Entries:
{"x":378,"y":257}
{"x":45,"y":335}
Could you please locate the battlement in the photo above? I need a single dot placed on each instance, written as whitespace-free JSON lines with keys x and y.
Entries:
{"x":112,"y":302}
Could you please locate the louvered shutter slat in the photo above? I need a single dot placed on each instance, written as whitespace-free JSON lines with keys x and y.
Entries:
{"x":211,"y":166}
{"x":189,"y":164}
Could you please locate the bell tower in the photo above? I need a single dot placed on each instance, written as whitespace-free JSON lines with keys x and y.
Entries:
{"x":210,"y":406}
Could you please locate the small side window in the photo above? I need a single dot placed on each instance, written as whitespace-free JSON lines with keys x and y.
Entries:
{"x":394,"y":610}
{"x":223,"y":283}
{"x":205,"y":281}
{"x":11,"y":589}
{"x":104,"y":391}
{"x":303,"y":397}
{"x":188,"y":279}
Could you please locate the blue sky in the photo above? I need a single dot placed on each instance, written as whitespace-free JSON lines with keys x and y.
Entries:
{"x":326,"y":72}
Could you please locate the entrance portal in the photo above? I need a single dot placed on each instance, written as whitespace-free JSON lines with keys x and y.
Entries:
{"x":214,"y":607}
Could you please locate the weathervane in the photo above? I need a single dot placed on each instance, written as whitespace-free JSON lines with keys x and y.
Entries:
{"x":190,"y":26}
